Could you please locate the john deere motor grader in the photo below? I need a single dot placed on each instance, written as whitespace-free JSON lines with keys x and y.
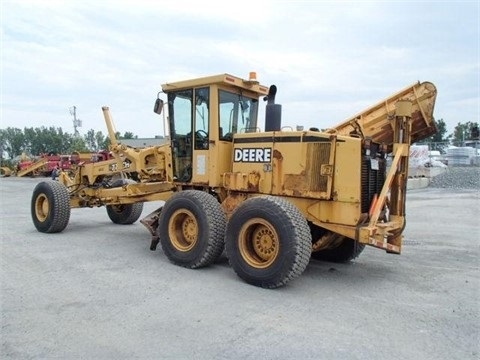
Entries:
{"x":272,"y":199}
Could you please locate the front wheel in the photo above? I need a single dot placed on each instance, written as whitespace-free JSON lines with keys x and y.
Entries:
{"x":268,"y":241}
{"x":50,"y":207}
{"x":124,"y":214}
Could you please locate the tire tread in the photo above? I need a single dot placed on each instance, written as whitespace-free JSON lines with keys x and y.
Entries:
{"x":215,"y":222}
{"x":59,"y":199}
{"x":287,"y":211}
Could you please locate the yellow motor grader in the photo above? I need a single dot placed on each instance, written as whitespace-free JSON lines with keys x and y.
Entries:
{"x":271,"y":199}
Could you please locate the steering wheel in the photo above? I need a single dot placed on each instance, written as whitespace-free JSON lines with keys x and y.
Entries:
{"x":227,"y":137}
{"x":201,"y":134}
{"x":201,"y":138}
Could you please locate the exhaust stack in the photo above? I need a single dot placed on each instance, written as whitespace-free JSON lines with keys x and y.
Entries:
{"x":273,"y":112}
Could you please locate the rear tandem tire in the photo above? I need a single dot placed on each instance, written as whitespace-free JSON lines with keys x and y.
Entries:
{"x":268,"y":241}
{"x":50,"y":207}
{"x":343,"y":253}
{"x":191,"y":229}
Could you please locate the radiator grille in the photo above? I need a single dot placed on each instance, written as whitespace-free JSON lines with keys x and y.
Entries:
{"x":317,"y":155}
{"x":372,"y":181}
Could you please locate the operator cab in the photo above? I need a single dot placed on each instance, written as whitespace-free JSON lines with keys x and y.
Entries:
{"x":203,"y":116}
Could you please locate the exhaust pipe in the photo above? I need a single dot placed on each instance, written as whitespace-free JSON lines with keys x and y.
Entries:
{"x":273,"y":112}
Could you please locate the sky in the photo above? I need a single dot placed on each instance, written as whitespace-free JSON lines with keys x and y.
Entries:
{"x":329,"y":59}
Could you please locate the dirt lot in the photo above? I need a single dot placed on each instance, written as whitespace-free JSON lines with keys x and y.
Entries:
{"x":96,"y":291}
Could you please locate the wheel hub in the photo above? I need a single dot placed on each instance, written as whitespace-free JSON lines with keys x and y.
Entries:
{"x":183,"y":230}
{"x":42,"y":207}
{"x":189,"y":229}
{"x":264,"y":242}
{"x":259,"y":243}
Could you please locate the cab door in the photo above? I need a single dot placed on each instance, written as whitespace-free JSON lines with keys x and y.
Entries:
{"x":201,"y":136}
{"x":189,"y":121}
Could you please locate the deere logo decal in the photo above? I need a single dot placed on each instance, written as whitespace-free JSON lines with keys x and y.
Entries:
{"x":253,"y":155}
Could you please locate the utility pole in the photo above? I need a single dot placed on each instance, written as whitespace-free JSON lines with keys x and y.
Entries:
{"x":76,"y":122}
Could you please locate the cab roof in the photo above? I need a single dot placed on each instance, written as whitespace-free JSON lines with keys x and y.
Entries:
{"x":222,"y":79}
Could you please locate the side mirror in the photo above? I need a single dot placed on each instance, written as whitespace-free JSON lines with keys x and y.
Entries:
{"x":158,"y":106}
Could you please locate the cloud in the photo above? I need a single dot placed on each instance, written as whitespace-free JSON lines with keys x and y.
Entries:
{"x":329,"y":59}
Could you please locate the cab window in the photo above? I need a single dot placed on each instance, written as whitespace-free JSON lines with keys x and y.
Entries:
{"x":237,"y":114}
{"x":202,"y":119}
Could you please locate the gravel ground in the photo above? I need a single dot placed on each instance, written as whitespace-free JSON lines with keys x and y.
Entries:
{"x":458,"y":178}
{"x":96,"y":291}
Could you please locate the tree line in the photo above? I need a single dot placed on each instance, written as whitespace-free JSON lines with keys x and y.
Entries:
{"x":51,"y":140}
{"x":462,"y":132}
